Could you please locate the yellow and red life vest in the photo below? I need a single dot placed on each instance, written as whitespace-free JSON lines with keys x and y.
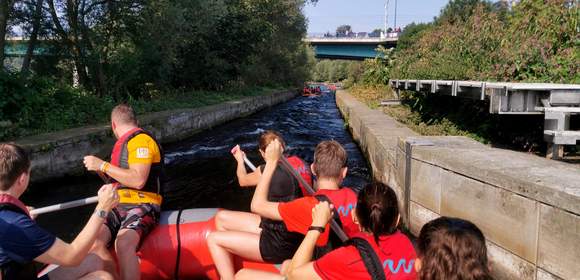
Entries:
{"x":153,"y":188}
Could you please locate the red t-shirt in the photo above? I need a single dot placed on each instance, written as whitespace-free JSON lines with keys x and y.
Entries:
{"x":396,"y":254}
{"x":297,"y":214}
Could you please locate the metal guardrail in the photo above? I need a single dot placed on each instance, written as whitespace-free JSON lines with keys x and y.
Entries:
{"x":349,"y":40}
{"x":555,"y":101}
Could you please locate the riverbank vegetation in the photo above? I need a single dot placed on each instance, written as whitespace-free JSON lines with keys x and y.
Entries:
{"x":89,"y":55}
{"x":534,"y":41}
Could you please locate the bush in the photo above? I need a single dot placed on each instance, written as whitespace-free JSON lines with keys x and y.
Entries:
{"x":33,"y":106}
{"x":36,"y":105}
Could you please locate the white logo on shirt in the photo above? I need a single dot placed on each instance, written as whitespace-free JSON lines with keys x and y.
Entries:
{"x":142,"y":152}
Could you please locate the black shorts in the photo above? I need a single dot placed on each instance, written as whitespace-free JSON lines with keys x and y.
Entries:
{"x":277,"y":244}
{"x":142,"y":218}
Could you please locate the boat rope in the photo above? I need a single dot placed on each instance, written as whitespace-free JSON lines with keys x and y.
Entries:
{"x":178,"y":256}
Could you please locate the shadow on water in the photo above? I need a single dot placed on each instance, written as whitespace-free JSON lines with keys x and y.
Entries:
{"x":201,"y":171}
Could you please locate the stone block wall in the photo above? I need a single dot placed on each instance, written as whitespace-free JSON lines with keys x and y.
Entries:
{"x":528,"y":207}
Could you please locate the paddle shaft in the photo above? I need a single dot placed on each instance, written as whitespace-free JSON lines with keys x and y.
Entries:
{"x":93,"y":199}
{"x":337,"y":229}
{"x":66,"y":205}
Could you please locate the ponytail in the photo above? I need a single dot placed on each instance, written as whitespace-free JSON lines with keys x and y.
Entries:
{"x":377,"y":209}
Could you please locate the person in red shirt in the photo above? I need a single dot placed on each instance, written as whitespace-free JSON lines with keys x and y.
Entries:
{"x":330,"y":168}
{"x":379,"y":251}
{"x":457,"y":241}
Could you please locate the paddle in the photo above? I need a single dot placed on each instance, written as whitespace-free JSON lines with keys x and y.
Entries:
{"x":246,"y":160}
{"x":94,"y":199}
{"x":337,"y":229}
{"x":71,"y":204}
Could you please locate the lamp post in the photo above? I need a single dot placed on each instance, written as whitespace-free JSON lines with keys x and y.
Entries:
{"x":395,"y":15}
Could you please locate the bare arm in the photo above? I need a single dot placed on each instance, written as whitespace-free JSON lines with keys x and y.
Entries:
{"x":304,"y":253}
{"x":301,"y":266}
{"x":260,"y":204}
{"x":244,"y":178}
{"x":134,"y":177}
{"x":73,"y":254}
{"x":247,"y":179}
{"x":306,"y":271}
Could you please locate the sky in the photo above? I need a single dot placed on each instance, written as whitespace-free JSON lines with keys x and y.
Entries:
{"x":366,"y":15}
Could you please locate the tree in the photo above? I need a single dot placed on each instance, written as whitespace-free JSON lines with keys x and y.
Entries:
{"x":460,"y":10}
{"x":36,"y":21}
{"x":5,"y":12}
{"x":410,"y":34}
{"x":343,"y":31}
{"x":376,"y":33}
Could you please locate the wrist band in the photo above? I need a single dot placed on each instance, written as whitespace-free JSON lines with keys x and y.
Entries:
{"x":104,"y":167}
{"x":320,"y":229}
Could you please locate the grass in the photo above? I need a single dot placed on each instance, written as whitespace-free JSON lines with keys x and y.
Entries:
{"x":77,"y":109}
{"x":373,"y":95}
{"x":183,"y":100}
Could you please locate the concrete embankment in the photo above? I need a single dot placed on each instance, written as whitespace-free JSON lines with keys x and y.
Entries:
{"x":528,"y":207}
{"x":58,"y":154}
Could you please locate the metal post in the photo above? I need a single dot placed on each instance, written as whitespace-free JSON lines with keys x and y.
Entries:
{"x":395,"y":14}
{"x":386,"y":18}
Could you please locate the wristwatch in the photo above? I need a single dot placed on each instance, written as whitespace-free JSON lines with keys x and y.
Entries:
{"x":101,"y":213}
{"x":320,"y":229}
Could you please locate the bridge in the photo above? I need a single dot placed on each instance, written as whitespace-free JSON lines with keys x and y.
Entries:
{"x":350,"y":48}
{"x":17,"y":47}
{"x":557,"y":102}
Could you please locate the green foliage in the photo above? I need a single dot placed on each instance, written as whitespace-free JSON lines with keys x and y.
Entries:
{"x":536,"y":41}
{"x":156,"y":55}
{"x":33,"y":106}
{"x":336,"y":70}
{"x":459,"y":11}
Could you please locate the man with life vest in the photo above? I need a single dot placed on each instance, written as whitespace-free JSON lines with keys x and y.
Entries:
{"x":330,"y":168}
{"x":136,"y":169}
{"x":23,"y":241}
{"x":274,"y":242}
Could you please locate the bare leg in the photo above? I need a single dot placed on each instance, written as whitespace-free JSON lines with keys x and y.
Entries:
{"x":126,"y":248}
{"x":252,"y":274}
{"x":91,"y":263}
{"x":97,"y":275}
{"x":223,"y":245}
{"x":98,"y":259}
{"x":100,"y":249}
{"x":237,"y":221}
{"x":285,"y":267}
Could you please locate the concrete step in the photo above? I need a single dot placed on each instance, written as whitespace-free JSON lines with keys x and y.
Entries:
{"x":564,"y":137}
{"x":562,"y":109}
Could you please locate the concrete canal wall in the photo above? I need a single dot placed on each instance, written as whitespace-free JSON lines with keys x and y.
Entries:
{"x":528,"y":207}
{"x":58,"y":154}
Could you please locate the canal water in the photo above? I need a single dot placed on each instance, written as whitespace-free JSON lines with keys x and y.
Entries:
{"x":201,"y":170}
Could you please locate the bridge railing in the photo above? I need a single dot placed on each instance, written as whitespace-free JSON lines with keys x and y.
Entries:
{"x":557,"y":102}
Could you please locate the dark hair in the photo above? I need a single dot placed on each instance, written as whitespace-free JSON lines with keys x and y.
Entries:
{"x":124,"y":114}
{"x":13,"y":162}
{"x":452,"y":248}
{"x":377,"y":209}
{"x":267,"y":137}
{"x":329,"y":159}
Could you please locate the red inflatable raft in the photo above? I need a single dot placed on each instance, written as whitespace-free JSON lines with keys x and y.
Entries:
{"x":158,"y":254}
{"x":160,"y":249}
